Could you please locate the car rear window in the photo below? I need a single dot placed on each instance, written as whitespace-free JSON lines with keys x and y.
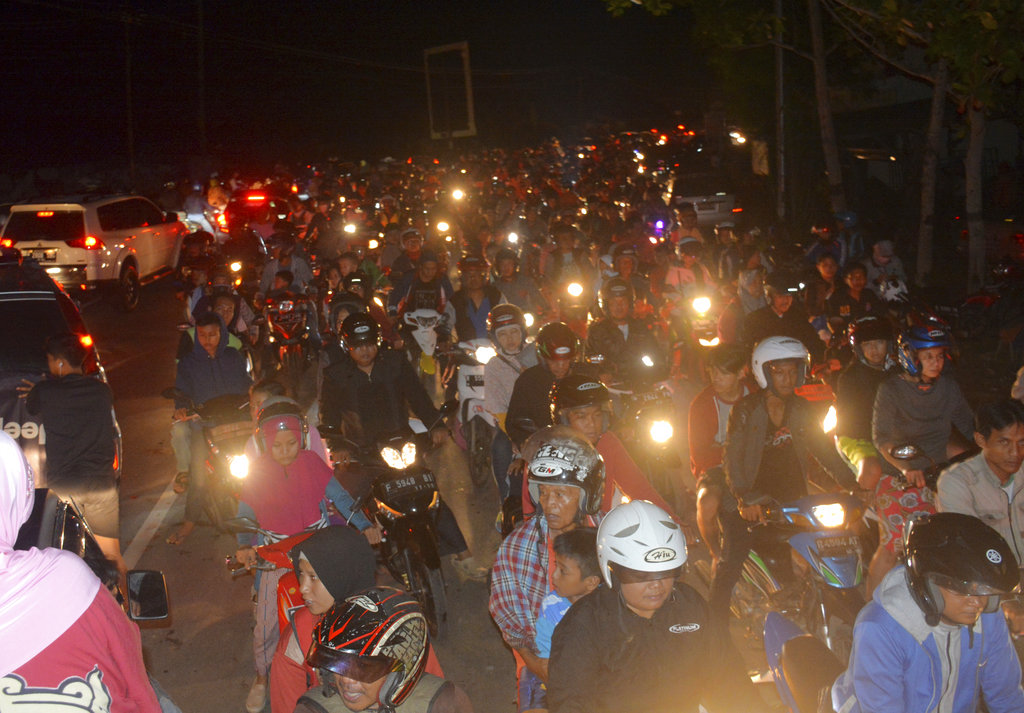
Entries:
{"x":26,"y":324}
{"x":31,"y":225}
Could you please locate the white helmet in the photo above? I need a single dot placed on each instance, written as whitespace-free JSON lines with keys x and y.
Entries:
{"x":639,"y":535}
{"x":777,"y":349}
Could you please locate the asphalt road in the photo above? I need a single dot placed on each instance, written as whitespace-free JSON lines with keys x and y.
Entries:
{"x":203,"y":654}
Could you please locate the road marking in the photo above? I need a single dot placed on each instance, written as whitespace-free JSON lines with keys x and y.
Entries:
{"x":152,"y":523}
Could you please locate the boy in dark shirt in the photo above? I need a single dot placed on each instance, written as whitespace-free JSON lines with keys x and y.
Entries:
{"x":76,"y":411}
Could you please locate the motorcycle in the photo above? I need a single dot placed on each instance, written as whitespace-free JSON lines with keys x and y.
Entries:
{"x":287,"y":334}
{"x":825,"y":596}
{"x":425,"y":324}
{"x":403,"y":498}
{"x":226,"y":428}
{"x":802,"y":667}
{"x":466,"y":365}
{"x":693,"y":324}
{"x":271,"y":556}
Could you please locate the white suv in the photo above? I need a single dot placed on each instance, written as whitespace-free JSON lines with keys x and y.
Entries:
{"x":85,"y":242}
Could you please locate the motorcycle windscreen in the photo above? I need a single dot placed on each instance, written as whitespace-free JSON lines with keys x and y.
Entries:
{"x":835,"y":555}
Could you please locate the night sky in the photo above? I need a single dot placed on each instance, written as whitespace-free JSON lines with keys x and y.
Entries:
{"x":305,"y":79}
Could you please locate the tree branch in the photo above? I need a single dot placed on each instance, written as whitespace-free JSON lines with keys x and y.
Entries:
{"x":863,"y":12}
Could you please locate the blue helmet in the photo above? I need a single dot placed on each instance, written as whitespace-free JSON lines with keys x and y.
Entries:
{"x":920,"y":336}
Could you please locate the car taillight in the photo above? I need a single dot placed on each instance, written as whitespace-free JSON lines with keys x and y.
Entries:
{"x":737,"y":210}
{"x":255,"y":198}
{"x":89,"y":242}
{"x":85,"y":340}
{"x":7,"y":243}
{"x":222,"y":222}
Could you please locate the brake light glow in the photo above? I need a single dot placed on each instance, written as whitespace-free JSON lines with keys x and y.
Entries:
{"x":44,"y":214}
{"x":737,"y":210}
{"x":89,"y":242}
{"x":7,"y":243}
{"x":256,"y":197}
{"x":222,"y":222}
{"x":86,"y":340}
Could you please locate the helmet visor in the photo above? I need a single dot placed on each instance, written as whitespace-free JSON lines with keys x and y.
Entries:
{"x":365,"y":669}
{"x":970,"y":589}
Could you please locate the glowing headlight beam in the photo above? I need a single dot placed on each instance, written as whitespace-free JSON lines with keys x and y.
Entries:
{"x":661,"y":431}
{"x":830,"y":515}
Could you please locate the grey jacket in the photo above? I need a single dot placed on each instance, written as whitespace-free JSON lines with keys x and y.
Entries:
{"x":748,"y":427}
{"x":970,"y":487}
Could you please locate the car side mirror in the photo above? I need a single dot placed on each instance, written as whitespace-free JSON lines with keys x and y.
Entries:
{"x":147,"y":595}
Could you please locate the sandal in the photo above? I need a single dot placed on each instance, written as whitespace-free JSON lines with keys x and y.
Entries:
{"x":179,"y":535}
{"x":181,"y":481}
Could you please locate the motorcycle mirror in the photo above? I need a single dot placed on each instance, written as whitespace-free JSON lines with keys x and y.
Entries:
{"x":241,"y":524}
{"x":449,"y":407}
{"x":526,"y":424}
{"x":147,"y":595}
{"x":905,"y":451}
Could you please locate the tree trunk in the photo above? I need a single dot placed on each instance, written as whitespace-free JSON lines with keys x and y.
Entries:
{"x":929,"y":163}
{"x":829,"y":146}
{"x":973,"y":198}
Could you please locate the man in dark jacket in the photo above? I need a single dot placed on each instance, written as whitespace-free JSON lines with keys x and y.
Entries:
{"x":782,"y":317}
{"x":368,"y":395}
{"x":769,"y":434}
{"x":474,"y":299}
{"x":557,"y":348}
{"x":210,"y":370}
{"x":621,"y":339}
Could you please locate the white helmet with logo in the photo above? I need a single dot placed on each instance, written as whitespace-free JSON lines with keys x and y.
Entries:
{"x":777,"y":349}
{"x":641,"y":536}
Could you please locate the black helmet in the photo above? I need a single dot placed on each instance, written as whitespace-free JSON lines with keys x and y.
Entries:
{"x":378,"y":632}
{"x":357,"y":278}
{"x":556,"y":340}
{"x":957,"y":552}
{"x":506,"y":254}
{"x":575,"y":391}
{"x":869,"y":329}
{"x":472,"y":261}
{"x":564,"y":457}
{"x":359,"y":329}
{"x":505,"y":315}
{"x":781,"y":282}
{"x":614,"y":287}
{"x":344,"y":302}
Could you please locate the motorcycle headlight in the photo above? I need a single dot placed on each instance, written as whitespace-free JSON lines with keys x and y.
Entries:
{"x":529,"y":319}
{"x":513,"y":238}
{"x":285,"y":306}
{"x":443,"y":227}
{"x":661,"y":431}
{"x":647,"y":361}
{"x":236,"y":266}
{"x":350,"y":228}
{"x":379,"y":301}
{"x":484,"y":354}
{"x":458,"y":194}
{"x":701,"y":304}
{"x":239,"y":466}
{"x":830,"y":515}
{"x":828,"y":424}
{"x":399,"y":459}
{"x":713,"y":342}
{"x":372,"y":245}
{"x":575,"y":289}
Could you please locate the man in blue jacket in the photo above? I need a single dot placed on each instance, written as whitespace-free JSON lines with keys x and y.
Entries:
{"x":933,"y":637}
{"x":211,"y":369}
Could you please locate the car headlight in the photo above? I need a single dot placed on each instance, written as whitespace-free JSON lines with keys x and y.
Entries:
{"x":828,"y":424}
{"x":661,"y":431}
{"x":701,"y":304}
{"x":399,"y":459}
{"x":575,"y":289}
{"x":830,"y":515}
{"x":236,"y":266}
{"x":484,"y":354}
{"x":239,"y":466}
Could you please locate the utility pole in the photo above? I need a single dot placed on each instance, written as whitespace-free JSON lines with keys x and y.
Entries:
{"x":129,"y":117}
{"x":202,"y":82}
{"x":780,"y":119}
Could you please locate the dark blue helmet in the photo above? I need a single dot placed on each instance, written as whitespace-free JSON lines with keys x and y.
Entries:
{"x":921,"y":336}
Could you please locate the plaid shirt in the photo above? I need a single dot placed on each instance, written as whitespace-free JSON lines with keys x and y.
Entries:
{"x":519,"y":582}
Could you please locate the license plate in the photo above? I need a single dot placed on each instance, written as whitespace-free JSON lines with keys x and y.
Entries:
{"x":840,"y":546}
{"x":47,"y":255}
{"x":413,"y":482}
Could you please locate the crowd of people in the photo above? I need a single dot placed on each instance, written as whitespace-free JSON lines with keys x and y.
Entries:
{"x":582,"y":275}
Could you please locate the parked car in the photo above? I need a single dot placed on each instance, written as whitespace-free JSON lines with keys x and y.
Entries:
{"x":91,"y":241}
{"x":32,"y":308}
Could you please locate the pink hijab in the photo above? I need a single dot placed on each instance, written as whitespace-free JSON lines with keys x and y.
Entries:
{"x":42,"y":592}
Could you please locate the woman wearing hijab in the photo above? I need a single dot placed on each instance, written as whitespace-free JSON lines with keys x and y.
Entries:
{"x":285,"y":493}
{"x":62,"y":635}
